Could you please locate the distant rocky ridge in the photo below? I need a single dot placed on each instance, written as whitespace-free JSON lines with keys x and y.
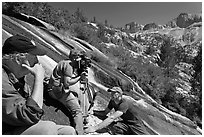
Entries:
{"x":133,"y":27}
{"x":182,"y":21}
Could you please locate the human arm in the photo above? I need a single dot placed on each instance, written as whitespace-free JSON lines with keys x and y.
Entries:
{"x":68,"y":81}
{"x":99,"y":86}
{"x":38,"y":72}
{"x":17,"y":110}
{"x":105,"y":123}
{"x":101,"y":114}
{"x":65,"y":70}
{"x":121,"y":109}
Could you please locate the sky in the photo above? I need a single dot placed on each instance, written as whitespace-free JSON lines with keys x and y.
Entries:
{"x":120,"y":13}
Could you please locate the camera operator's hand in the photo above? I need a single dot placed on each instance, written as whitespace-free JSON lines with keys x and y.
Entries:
{"x":84,"y":75}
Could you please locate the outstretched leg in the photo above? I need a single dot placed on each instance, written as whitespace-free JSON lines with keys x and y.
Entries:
{"x":44,"y":128}
{"x":71,"y":103}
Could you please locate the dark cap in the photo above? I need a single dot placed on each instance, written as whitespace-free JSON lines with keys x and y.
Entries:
{"x":74,"y":52}
{"x":116,"y":89}
{"x":21,"y":44}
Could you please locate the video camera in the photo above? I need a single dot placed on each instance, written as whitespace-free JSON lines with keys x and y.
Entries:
{"x":83,"y":63}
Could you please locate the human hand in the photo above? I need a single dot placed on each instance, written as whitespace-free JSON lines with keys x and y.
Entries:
{"x":90,"y":129}
{"x":83,"y":75}
{"x":37,"y":70}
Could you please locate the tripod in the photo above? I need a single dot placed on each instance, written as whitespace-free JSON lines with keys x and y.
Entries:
{"x":87,"y":99}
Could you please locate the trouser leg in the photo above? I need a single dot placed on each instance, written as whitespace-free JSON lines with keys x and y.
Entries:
{"x":71,"y":103}
{"x":138,"y":129}
{"x":48,"y":128}
{"x":66,"y":130}
{"x":123,"y":128}
{"x":119,"y":128}
{"x":40,"y":128}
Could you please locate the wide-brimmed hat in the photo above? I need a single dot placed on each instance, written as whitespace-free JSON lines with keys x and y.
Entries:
{"x":21,"y":44}
{"x":116,"y":89}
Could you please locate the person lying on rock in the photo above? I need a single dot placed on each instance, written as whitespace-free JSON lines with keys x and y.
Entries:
{"x":65,"y":75}
{"x":21,"y":106}
{"x":124,"y":109}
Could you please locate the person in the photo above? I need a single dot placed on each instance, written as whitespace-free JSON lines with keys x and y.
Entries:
{"x":65,"y":75}
{"x":129,"y":123}
{"x":22,"y":107}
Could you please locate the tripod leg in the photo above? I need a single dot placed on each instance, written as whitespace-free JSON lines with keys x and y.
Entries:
{"x":84,"y":102}
{"x":85,"y":108}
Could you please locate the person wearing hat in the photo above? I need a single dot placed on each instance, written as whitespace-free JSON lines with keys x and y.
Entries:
{"x":124,"y":109}
{"x":21,"y":107}
{"x":62,"y":87}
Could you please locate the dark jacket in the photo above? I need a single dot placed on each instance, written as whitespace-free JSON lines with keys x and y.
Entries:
{"x":17,"y":108}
